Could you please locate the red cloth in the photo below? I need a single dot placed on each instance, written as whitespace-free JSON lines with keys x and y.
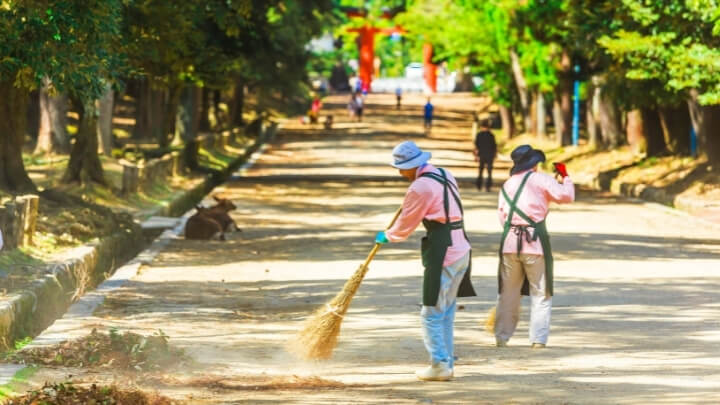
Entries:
{"x":560,"y":169}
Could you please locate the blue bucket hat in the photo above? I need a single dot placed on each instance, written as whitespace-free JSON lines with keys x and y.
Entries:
{"x":407,"y":155}
{"x":524,"y":157}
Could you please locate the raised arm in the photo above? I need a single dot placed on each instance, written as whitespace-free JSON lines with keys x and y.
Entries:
{"x":415,"y":207}
{"x":558,"y":192}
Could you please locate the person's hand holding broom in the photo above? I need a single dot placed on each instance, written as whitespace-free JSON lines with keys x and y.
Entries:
{"x":318,"y":338}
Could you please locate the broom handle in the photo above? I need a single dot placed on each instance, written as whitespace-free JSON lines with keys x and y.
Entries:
{"x":377,"y":245}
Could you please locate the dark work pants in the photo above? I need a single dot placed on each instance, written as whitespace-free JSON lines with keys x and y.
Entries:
{"x":488,"y":183}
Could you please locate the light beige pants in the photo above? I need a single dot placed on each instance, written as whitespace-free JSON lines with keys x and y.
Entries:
{"x":515,"y":268}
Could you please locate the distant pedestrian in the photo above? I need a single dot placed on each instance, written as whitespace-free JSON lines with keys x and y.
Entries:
{"x":328,"y":122}
{"x":398,"y":97}
{"x":428,"y":114}
{"x":352,"y":105}
{"x":315,"y":110}
{"x":485,"y":153}
{"x":359,"y":101}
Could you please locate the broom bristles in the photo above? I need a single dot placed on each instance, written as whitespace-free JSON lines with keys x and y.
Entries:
{"x":319,"y":336}
{"x":490,"y":321}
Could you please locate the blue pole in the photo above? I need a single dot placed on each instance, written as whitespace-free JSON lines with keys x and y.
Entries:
{"x":576,"y":110}
{"x":693,"y":142}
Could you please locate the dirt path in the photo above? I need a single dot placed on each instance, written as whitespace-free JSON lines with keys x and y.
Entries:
{"x":636,"y":317}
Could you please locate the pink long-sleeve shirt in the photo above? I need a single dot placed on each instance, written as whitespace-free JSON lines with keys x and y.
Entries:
{"x":540,"y":190}
{"x":424,"y":200}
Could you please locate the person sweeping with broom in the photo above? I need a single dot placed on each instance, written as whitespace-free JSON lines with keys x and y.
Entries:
{"x":526,"y":262}
{"x":433,"y":198}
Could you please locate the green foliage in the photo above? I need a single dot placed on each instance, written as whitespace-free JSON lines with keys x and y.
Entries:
{"x":670,"y":45}
{"x":69,"y":42}
{"x":20,"y":343}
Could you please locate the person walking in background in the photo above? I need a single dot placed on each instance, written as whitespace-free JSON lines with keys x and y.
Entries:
{"x":398,"y":97}
{"x":315,"y":110}
{"x":352,"y":105}
{"x":485,"y":153}
{"x":428,"y":115}
{"x":526,"y":261}
{"x":359,"y":101}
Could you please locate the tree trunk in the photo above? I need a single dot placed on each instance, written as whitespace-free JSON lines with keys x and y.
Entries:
{"x":653,"y":132}
{"x":84,"y":165}
{"x":676,"y":126}
{"x":204,"y":124}
{"x":220,"y":122}
{"x":522,"y":89}
{"x":157,"y":109}
{"x":33,"y":114}
{"x":558,"y":121}
{"x":541,"y":116}
{"x":236,"y":113}
{"x":706,"y":122}
{"x":634,"y":129}
{"x":506,"y":118}
{"x":104,"y":127}
{"x":610,"y":123}
{"x":463,"y":81}
{"x":52,"y":133}
{"x":143,"y":114}
{"x":13,"y":110}
{"x":563,"y":94}
{"x":592,"y":109}
{"x":188,"y":120}
{"x":533,"y":114}
{"x":169,"y":115}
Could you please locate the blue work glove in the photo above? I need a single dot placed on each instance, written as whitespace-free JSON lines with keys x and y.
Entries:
{"x":381,"y":238}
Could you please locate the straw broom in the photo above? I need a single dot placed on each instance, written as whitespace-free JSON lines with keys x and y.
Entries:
{"x":490,"y":321}
{"x":491,"y":316}
{"x":319,"y":336}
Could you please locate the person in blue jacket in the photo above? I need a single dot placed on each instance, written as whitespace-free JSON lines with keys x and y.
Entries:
{"x":428,"y":114}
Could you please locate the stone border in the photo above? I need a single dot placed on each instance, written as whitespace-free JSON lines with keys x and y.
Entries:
{"x":606,"y":181}
{"x":30,"y":311}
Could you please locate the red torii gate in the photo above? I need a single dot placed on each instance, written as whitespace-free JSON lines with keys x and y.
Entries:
{"x":367,"y":51}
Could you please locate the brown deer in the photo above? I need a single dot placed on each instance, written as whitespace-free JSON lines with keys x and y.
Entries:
{"x":219,"y":212}
{"x":202,"y":226}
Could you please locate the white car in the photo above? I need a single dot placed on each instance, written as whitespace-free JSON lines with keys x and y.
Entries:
{"x":414,"y":70}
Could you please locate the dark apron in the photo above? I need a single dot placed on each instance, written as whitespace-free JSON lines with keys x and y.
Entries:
{"x":435,"y":244}
{"x":539,"y":232}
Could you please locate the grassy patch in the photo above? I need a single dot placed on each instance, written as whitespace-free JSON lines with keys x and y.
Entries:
{"x":19,"y":380}
{"x":215,"y":159}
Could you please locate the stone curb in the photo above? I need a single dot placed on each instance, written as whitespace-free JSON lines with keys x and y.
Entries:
{"x":605,"y":181}
{"x":30,"y":311}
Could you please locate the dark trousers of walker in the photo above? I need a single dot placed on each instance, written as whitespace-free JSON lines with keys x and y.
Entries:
{"x":485,"y":164}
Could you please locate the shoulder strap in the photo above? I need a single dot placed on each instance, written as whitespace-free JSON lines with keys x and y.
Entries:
{"x":447,"y":185}
{"x":513,"y":203}
{"x":453,"y":190}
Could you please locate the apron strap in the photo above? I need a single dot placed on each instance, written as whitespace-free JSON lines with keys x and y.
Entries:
{"x":452,"y":187}
{"x":513,"y":203}
{"x":447,"y":186}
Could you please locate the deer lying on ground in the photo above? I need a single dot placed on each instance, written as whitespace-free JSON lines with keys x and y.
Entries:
{"x":211,"y":223}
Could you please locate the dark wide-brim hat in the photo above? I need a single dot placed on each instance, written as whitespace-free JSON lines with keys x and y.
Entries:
{"x":524,"y":157}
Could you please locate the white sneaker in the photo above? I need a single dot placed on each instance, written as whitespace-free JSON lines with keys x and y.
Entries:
{"x":436,"y":372}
